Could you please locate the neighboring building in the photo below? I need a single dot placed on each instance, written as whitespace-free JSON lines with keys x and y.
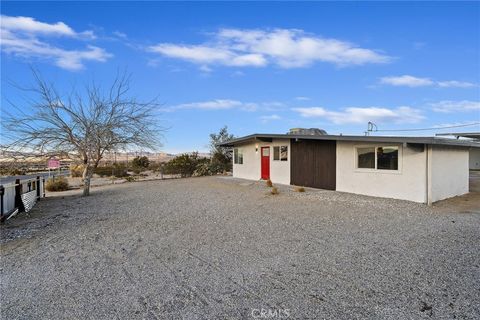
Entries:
{"x":474,"y":162}
{"x":420,"y":169}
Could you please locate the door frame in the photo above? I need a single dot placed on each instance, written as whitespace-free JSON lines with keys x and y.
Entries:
{"x":261,"y":162}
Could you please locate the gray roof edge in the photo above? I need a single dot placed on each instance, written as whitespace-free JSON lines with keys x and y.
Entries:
{"x":392,"y":139}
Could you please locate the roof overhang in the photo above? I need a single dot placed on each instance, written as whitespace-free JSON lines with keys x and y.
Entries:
{"x":410,"y":141}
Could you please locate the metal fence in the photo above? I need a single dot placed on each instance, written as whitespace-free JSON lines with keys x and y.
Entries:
{"x":21,"y":193}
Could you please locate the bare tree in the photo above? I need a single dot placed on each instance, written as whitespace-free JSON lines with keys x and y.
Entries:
{"x":83,"y":124}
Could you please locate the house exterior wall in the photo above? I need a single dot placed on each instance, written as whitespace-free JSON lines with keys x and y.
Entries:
{"x":251,"y":167}
{"x":431,"y":175}
{"x":474,"y":159}
{"x":408,"y":183}
{"x":449,"y":172}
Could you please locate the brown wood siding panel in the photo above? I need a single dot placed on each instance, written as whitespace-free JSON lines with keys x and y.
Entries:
{"x":313,"y":163}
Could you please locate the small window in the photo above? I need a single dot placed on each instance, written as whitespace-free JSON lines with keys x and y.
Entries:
{"x":265,"y":151}
{"x":237,"y":156}
{"x":280,"y":153}
{"x":283,"y":153}
{"x":366,"y":158}
{"x":387,"y":158}
{"x":276,"y":153}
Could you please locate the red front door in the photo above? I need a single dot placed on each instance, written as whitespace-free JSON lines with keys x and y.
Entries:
{"x":265,"y":163}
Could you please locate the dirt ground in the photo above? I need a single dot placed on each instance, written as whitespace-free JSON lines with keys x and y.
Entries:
{"x":223,"y":248}
{"x":467,"y":203}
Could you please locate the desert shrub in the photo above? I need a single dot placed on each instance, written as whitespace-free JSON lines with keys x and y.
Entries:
{"x":130,"y":179}
{"x":118,"y":170}
{"x":137,"y":170}
{"x":221,"y":156}
{"x":274,"y":190}
{"x":299,"y":189}
{"x":156,"y":166}
{"x":140,"y":162}
{"x":9,"y":171}
{"x":76,"y":171}
{"x":269,"y":183}
{"x":57,"y":184}
{"x":185,"y":164}
{"x":203,"y":169}
{"x":220,"y":163}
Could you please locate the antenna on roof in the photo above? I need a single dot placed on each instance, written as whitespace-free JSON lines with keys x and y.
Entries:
{"x":370,"y":127}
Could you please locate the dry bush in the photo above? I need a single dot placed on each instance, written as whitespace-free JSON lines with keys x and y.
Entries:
{"x":76,"y":171}
{"x":299,"y":189}
{"x":117,"y":170}
{"x":274,"y":190}
{"x":269,"y":183}
{"x":57,"y":184}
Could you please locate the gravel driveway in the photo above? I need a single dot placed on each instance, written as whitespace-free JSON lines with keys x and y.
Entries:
{"x":221,"y":248}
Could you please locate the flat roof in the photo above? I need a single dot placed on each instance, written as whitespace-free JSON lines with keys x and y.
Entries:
{"x":382,"y":139}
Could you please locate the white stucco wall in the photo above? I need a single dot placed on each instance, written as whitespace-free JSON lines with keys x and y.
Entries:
{"x":408,"y":183}
{"x":251,"y":167}
{"x":449,"y":172}
{"x":474,"y":158}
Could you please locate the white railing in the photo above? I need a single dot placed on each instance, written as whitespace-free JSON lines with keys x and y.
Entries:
{"x":20,"y":195}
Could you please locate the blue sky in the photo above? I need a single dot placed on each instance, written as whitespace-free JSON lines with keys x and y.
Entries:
{"x":260,"y":67}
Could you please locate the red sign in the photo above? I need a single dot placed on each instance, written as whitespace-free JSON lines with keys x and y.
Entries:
{"x":53,"y":163}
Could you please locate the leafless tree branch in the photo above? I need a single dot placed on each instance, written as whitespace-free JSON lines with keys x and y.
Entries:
{"x":86,"y":124}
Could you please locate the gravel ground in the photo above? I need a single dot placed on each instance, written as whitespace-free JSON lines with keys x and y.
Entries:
{"x":222,"y":248}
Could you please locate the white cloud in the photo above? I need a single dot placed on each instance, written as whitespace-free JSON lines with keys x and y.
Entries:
{"x":269,"y":118}
{"x":287,"y":48}
{"x":207,"y":55}
{"x":217,"y":104}
{"x":411,"y":81}
{"x":205,"y":69}
{"x":227,"y":104}
{"x":455,"y":84}
{"x":120,"y":34}
{"x":24,"y":37}
{"x":363,"y":114}
{"x":447,"y":106}
{"x":30,"y":25}
{"x":407,"y":81}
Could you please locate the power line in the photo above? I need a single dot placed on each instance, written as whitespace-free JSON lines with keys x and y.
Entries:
{"x":436,"y":128}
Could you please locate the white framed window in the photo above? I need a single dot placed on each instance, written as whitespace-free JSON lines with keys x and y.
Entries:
{"x":280,"y":153}
{"x":377,"y":158}
{"x":387,"y":158}
{"x":237,"y":156}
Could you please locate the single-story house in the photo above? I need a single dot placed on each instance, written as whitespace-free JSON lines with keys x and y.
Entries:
{"x":420,"y":169}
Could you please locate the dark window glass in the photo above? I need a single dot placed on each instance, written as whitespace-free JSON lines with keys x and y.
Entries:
{"x":240,"y":157}
{"x":366,"y":158}
{"x":276,"y":153}
{"x":387,"y":158}
{"x":235,"y":156}
{"x":284,"y":153}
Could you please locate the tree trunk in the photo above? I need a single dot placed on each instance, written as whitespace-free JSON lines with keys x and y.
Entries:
{"x":86,"y":177}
